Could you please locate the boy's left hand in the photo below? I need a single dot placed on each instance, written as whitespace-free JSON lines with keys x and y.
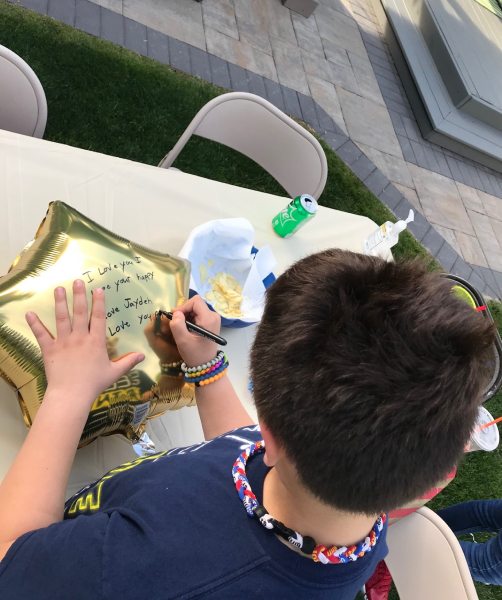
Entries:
{"x":160,"y":339}
{"x":76,"y":359}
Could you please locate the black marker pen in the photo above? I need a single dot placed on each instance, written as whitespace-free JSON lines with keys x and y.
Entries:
{"x":197,"y":329}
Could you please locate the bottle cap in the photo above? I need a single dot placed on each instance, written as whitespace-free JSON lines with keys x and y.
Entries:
{"x":401,"y":225}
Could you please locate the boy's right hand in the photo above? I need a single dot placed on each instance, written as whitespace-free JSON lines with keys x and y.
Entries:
{"x":195,"y":349}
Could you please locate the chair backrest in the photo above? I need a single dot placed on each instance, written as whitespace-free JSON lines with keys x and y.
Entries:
{"x":23,"y":107}
{"x":426,"y":560}
{"x":255,"y":127}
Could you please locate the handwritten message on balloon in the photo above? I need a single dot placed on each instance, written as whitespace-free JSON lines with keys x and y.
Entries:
{"x":117,"y":279}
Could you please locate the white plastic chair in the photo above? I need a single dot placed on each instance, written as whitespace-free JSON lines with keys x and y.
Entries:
{"x":426,"y":561}
{"x":23,"y":107}
{"x":255,"y":127}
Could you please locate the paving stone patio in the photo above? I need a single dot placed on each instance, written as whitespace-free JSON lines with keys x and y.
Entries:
{"x":334,"y":71}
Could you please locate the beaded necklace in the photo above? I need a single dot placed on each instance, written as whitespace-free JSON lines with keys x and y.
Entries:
{"x":306,"y":544}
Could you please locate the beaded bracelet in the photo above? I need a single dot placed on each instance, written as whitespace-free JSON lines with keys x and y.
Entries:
{"x":207,"y":372}
{"x":172,"y":369}
{"x":195,"y":371}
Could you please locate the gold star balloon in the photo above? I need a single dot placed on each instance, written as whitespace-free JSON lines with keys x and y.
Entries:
{"x":137,"y":281}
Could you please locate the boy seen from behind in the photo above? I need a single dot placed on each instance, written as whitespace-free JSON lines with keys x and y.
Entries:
{"x":367,"y":378}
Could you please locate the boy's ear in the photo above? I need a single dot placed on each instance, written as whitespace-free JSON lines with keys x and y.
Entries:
{"x":272,"y":448}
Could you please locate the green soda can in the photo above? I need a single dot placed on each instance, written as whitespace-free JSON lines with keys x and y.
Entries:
{"x":295,"y":215}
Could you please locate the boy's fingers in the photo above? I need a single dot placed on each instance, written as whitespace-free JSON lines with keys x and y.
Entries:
{"x":123,"y":364}
{"x":97,"y":325}
{"x":80,"y":310}
{"x":198,"y":311}
{"x":178,"y":327}
{"x":41,"y":333}
{"x":195,"y":305}
{"x":63,"y":322}
{"x":181,"y":335}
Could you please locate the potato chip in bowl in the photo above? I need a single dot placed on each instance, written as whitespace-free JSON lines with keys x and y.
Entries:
{"x":228,"y":271}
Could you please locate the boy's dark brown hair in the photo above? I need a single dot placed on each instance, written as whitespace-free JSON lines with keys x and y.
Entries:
{"x":369,"y":374}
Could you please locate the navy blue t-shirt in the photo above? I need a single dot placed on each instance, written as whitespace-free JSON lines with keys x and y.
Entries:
{"x":171,"y":526}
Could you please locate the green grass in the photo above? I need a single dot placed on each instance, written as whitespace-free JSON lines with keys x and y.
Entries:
{"x":109,"y":100}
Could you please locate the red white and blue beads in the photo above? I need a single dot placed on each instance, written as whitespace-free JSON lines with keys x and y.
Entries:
{"x":306,"y":544}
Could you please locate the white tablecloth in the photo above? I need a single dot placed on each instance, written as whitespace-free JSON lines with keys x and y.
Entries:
{"x":156,"y":208}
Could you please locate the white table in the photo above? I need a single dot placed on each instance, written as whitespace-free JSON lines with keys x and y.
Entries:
{"x":156,"y":208}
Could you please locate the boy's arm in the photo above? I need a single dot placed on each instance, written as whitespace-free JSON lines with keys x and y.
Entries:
{"x":219,"y":406}
{"x":78,"y":370}
{"x":220,"y":409}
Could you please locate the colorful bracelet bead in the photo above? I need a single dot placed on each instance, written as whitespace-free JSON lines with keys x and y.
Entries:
{"x":220,"y":354}
{"x":207,"y":375}
{"x":207,"y":372}
{"x":211,"y":379}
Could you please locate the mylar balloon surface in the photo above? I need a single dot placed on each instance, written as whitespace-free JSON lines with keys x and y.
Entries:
{"x":137,"y":281}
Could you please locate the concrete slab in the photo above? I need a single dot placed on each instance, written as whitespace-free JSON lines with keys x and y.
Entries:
{"x":63,"y":10}
{"x":447,"y":256}
{"x":291,"y":103}
{"x":158,"y":46}
{"x":470,"y":198}
{"x":199,"y":62}
{"x":491,"y":204}
{"x":252,"y":12}
{"x":219,"y":71}
{"x":115,"y":5}
{"x":252,"y":34}
{"x":365,"y":77}
{"x":277,"y":17}
{"x":486,"y":236}
{"x":240,"y":54}
{"x":238,"y":78}
{"x":289,"y":65}
{"x":411,"y":195}
{"x":339,"y":5}
{"x":343,"y":76}
{"x":497,"y":228}
{"x":363,"y":167}
{"x":307,"y":35}
{"x":324,"y":93}
{"x":274,"y":94}
{"x":177,"y":18}
{"x":339,"y":29}
{"x":377,"y":182}
{"x":433,"y":241}
{"x":112,"y":26}
{"x":393,"y":167}
{"x":220,"y":15}
{"x":471,"y":249}
{"x":87,"y":17}
{"x":179,"y":54}
{"x":368,"y":123}
{"x":309,"y":113}
{"x":349,"y":152}
{"x":316,"y":65}
{"x":441,"y":201}
{"x":392,"y":197}
{"x":135,"y":36}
